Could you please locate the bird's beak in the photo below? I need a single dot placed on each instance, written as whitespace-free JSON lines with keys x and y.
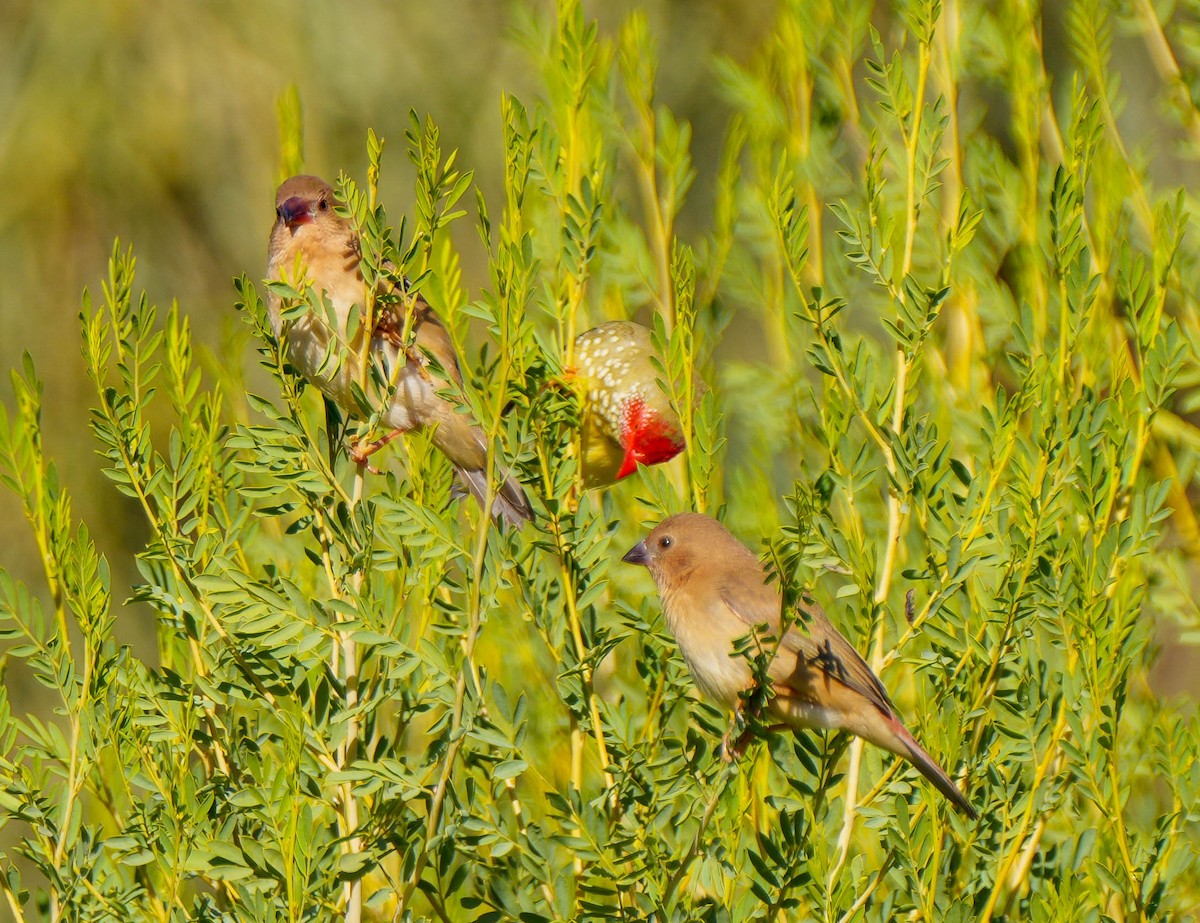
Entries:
{"x":637,"y":555}
{"x":296,"y":211}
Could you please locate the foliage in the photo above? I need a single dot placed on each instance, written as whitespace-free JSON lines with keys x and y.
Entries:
{"x":967,"y":433}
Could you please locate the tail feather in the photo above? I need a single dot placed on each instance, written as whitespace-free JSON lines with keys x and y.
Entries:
{"x":465,"y":445}
{"x":510,"y":505}
{"x":934,"y":773}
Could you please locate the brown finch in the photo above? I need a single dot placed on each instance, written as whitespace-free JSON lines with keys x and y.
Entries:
{"x":714,"y":591}
{"x":628,"y":419}
{"x":327,"y":245}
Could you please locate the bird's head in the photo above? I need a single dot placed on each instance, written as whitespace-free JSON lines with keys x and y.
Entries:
{"x":301,"y":201}
{"x":679,"y":545}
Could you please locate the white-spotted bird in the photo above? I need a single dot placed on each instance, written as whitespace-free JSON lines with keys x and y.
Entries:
{"x":628,"y":419}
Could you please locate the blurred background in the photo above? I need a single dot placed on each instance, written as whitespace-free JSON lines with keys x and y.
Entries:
{"x":156,"y":123}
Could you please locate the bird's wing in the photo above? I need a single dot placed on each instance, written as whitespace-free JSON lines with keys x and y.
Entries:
{"x":757,"y":603}
{"x":811,"y":639}
{"x":432,"y":336}
{"x":429,"y":332}
{"x":837,"y":657}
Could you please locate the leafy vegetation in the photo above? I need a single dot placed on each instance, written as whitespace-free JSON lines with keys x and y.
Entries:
{"x":967,"y":431}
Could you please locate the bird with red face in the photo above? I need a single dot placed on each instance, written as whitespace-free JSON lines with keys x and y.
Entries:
{"x":309,"y":235}
{"x":628,"y":419}
{"x":714,"y":592}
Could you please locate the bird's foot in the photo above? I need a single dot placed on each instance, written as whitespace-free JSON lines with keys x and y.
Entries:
{"x":751,"y":708}
{"x":565,"y":380}
{"x":732,"y":752}
{"x":363,"y":449}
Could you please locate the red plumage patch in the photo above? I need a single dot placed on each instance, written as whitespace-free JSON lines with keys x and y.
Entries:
{"x":647,"y":438}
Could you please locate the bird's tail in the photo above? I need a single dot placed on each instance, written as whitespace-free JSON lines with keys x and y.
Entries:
{"x":466,"y":446}
{"x":510,"y":506}
{"x":929,"y":768}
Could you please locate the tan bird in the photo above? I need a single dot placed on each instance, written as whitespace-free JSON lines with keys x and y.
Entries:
{"x":307,"y":226}
{"x":714,"y":591}
{"x":628,"y":419}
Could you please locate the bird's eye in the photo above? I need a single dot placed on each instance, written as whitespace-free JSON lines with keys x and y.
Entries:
{"x":664,"y":542}
{"x":278,"y":211}
{"x":323,"y":205}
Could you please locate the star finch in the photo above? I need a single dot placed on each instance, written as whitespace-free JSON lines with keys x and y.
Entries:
{"x":628,"y":420}
{"x":329,"y":250}
{"x":714,"y":591}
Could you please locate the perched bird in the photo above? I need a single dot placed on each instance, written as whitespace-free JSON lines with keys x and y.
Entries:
{"x":628,"y":420}
{"x":714,"y":591}
{"x":306,"y":226}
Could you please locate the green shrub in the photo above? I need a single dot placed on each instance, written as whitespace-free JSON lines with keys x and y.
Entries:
{"x":963,"y":434}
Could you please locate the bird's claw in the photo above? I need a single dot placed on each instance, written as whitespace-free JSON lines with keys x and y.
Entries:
{"x":564,"y":380}
{"x":359,"y":456}
{"x":363,"y":449}
{"x":753,"y":708}
{"x":732,"y":752}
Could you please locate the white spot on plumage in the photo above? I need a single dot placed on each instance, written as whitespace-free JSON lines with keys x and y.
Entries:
{"x":615,"y":359}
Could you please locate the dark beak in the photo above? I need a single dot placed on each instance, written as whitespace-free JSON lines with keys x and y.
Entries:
{"x":637,"y":555}
{"x":296,"y":211}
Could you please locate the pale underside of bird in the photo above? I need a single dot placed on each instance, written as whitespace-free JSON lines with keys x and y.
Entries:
{"x":312,"y":245}
{"x":715,"y":593}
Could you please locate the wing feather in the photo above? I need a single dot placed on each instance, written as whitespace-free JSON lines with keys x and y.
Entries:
{"x":812,"y":641}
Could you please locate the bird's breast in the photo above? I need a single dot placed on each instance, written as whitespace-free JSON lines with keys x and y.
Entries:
{"x":320,"y":344}
{"x":317,"y":354}
{"x":705,"y":631}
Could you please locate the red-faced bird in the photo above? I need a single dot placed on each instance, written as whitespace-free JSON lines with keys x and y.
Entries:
{"x":308,"y":227}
